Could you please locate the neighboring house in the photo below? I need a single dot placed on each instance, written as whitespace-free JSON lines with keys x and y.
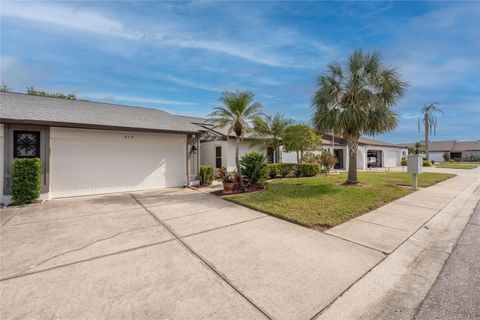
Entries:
{"x":378,"y":153}
{"x":92,"y":148}
{"x":454,"y":149}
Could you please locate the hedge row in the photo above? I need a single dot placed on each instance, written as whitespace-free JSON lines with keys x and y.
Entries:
{"x":26,"y":180}
{"x":296,"y":169}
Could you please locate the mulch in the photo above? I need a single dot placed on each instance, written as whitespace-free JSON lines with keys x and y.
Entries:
{"x":250,"y":189}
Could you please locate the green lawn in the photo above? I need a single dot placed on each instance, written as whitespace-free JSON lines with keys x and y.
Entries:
{"x":323,"y":202}
{"x":456,"y":165}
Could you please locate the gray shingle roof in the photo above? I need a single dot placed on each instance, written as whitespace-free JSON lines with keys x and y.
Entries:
{"x":466,"y":146}
{"x":18,"y":107}
{"x":452,"y":145}
{"x":373,"y":142}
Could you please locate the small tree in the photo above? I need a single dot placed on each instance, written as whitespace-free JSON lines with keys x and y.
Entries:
{"x":300,"y":138}
{"x":4,"y":87}
{"x":34,"y":92}
{"x":269,"y":131}
{"x":327,"y":160}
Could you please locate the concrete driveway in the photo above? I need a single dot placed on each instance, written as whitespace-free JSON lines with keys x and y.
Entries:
{"x":171,"y":254}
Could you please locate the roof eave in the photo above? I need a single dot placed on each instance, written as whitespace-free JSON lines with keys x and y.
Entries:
{"x":92,"y":126}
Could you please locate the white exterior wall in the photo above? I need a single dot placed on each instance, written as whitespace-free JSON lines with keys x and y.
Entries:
{"x":2,"y":156}
{"x":86,"y":161}
{"x":207,"y":152}
{"x":245,"y":147}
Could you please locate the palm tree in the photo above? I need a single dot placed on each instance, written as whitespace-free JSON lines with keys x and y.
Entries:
{"x":270,"y":130}
{"x":429,"y":121}
{"x":236,"y":114}
{"x":355,"y":99}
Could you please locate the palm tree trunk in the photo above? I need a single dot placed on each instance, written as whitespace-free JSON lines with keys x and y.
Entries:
{"x":352,"y":162}
{"x":298,"y":158}
{"x":237,"y":163}
{"x":425,"y":122}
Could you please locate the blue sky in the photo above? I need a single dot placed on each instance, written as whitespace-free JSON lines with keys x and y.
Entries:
{"x":179,"y":56}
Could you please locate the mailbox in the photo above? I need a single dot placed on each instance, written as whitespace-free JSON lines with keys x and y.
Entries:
{"x":415,"y":164}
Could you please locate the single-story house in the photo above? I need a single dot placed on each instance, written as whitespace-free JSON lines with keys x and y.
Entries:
{"x":217,"y":149}
{"x":379,"y":154}
{"x":454,"y":149}
{"x":92,"y":148}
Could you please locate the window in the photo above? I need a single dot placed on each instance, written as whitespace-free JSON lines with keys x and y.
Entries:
{"x":218,"y":157}
{"x":26,"y":144}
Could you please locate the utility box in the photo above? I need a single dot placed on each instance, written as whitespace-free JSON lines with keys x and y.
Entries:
{"x":415,"y":164}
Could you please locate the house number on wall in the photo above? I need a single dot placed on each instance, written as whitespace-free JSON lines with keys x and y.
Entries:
{"x":128,"y":137}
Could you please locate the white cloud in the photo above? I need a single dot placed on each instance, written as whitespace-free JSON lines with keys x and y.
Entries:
{"x":261,"y":50}
{"x":188,"y":83}
{"x":66,"y":16}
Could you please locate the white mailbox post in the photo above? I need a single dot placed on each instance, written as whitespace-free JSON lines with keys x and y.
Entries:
{"x":415,"y":166}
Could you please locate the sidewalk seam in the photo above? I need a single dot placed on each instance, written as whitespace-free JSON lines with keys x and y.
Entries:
{"x":381,"y":260}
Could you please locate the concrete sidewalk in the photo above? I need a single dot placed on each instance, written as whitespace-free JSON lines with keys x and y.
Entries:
{"x":418,"y":232}
{"x":182,"y":254}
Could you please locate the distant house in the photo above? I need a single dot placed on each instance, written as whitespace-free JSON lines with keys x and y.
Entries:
{"x":453,"y":149}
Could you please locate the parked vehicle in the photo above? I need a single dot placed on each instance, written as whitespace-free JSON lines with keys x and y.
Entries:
{"x":372,"y":162}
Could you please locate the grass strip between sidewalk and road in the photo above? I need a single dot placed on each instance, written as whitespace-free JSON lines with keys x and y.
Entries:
{"x":323,"y":202}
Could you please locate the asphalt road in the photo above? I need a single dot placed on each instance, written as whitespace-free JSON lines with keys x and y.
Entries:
{"x":456,"y":294}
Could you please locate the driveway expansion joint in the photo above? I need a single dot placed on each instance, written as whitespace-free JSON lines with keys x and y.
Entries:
{"x":202,"y":259}
{"x":72,"y":217}
{"x":86,"y":260}
{"x":13,"y":216}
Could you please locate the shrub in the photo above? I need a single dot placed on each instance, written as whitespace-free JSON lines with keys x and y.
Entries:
{"x":206,"y":175}
{"x":404,"y":162}
{"x":26,"y":180}
{"x":287,"y":168}
{"x":327,"y":160}
{"x":228,"y":177}
{"x":307,"y":169}
{"x":274,"y":169}
{"x":446,"y":156}
{"x":310,"y":157}
{"x":427,"y":163}
{"x":254,"y":167}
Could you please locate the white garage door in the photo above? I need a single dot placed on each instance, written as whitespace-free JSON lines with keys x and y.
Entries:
{"x":84,"y":162}
{"x":391,"y":158}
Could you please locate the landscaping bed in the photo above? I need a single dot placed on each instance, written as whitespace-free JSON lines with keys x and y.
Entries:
{"x":323,"y":202}
{"x":250,"y":189}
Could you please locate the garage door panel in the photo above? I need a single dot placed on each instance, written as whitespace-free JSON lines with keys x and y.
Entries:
{"x":93,"y":161}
